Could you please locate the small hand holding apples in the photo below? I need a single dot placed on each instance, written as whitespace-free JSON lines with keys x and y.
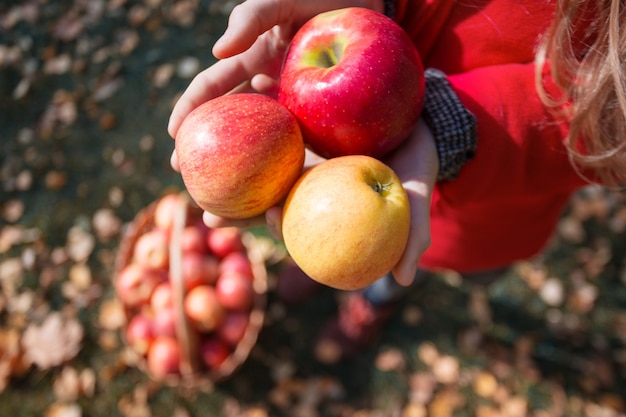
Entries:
{"x":351,"y":89}
{"x":218,"y":284}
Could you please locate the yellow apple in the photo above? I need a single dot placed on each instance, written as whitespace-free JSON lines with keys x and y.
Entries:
{"x":346,"y":221}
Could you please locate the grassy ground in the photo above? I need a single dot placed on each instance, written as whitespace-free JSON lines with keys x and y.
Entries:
{"x":85,"y":93}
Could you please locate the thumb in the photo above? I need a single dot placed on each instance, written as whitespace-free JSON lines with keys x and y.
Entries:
{"x":247,"y":22}
{"x":405,"y":270}
{"x":273,"y":218}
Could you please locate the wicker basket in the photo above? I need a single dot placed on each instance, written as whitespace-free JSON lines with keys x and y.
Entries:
{"x":192,"y":373}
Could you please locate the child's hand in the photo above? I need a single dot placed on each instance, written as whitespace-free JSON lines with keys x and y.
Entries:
{"x":417,"y":165}
{"x":251,"y":50}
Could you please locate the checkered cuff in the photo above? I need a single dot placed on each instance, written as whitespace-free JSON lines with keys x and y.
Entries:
{"x":452,"y":125}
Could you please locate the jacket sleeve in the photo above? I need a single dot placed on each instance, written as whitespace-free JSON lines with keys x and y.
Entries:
{"x":519,"y":147}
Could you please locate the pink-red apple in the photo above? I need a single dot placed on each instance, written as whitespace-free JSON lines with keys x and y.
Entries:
{"x":165,"y":210}
{"x":152,"y":249}
{"x":355,"y":81}
{"x":193,"y":239}
{"x":236,"y":262}
{"x":239,"y":154}
{"x":140,"y":333}
{"x":198,"y":269}
{"x":162,"y":296}
{"x":164,"y":322}
{"x":135,"y":283}
{"x":224,"y":240}
{"x":234,"y":327}
{"x":234,"y":290}
{"x":163,"y":357}
{"x":214,"y":352}
{"x":346,"y":221}
{"x":203,"y":308}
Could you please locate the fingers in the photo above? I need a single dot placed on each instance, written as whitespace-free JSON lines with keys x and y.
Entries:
{"x":273,"y":217}
{"x":214,"y":221}
{"x":416,"y":164}
{"x":417,"y":244}
{"x":174,"y":162}
{"x":419,"y":194}
{"x":250,"y":19}
{"x":247,"y":21}
{"x":265,"y":84}
{"x":217,"y":80}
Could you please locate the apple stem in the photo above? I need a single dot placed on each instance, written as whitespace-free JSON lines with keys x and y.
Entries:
{"x":380,"y":188}
{"x":330,"y":56}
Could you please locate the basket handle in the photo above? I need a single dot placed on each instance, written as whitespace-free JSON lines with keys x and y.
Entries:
{"x":187,"y":338}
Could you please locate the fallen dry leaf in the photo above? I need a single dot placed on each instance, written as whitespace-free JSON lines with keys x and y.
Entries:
{"x":414,"y":410}
{"x":446,"y":369}
{"x":485,"y":384}
{"x":13,"y":210}
{"x":136,"y":403}
{"x":515,"y":407}
{"x":11,"y":356}
{"x":71,"y":384}
{"x":427,"y":352}
{"x":106,"y":224}
{"x":64,"y":410}
{"x":446,"y":402}
{"x":80,"y":244}
{"x":56,"y":340}
{"x":112,"y":315}
{"x":390,"y":360}
{"x":422,"y":387}
{"x":66,"y":386}
{"x":11,"y":275}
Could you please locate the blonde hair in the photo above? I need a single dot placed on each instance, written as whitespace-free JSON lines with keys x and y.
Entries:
{"x":586,"y":51}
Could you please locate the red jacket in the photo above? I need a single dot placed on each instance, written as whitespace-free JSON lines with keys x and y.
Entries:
{"x":506,"y":201}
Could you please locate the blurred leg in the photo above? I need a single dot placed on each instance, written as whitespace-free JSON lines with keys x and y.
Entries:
{"x":387,"y":290}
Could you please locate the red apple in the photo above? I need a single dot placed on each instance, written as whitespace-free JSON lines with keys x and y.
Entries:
{"x":224,"y":240}
{"x":161,"y":296}
{"x":236,"y":262}
{"x":193,"y":239}
{"x":239,"y":154}
{"x":140,"y":333}
{"x":163,"y":357}
{"x":152,"y":249}
{"x":203,"y":308}
{"x":214,"y":352}
{"x":234,"y":327}
{"x":198,"y":269}
{"x":164,"y":322}
{"x":165,"y":210}
{"x":346,"y":221}
{"x":234,"y":291}
{"x":134,"y":284}
{"x":355,"y":81}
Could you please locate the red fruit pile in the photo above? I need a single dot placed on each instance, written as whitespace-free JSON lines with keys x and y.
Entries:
{"x":218,"y":296}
